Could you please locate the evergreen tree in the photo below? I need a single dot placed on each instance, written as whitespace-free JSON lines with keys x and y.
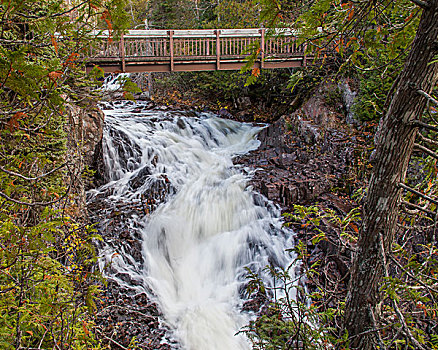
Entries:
{"x":46,"y":285}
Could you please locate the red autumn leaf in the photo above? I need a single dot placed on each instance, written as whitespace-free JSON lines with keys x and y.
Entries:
{"x":13,"y":122}
{"x":84,"y":327}
{"x":350,"y":15}
{"x":54,"y":43}
{"x":409,"y":17}
{"x":53,"y":76}
{"x":354,"y":227}
{"x":71,"y":59}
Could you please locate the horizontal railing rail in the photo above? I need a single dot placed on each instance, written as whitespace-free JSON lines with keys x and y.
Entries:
{"x":204,"y":49}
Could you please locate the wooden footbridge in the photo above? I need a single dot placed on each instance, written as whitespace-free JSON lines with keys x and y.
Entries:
{"x":196,"y":50}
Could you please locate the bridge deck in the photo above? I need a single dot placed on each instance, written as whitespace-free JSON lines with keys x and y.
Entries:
{"x":195,"y":50}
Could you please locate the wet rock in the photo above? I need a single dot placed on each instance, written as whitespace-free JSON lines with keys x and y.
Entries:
{"x":349,"y":98}
{"x":84,"y":131}
{"x":138,"y":179}
{"x":302,"y":156}
{"x":123,"y":316}
{"x":243,"y":102}
{"x":123,"y":313}
{"x":225,"y":113}
{"x":181,"y":123}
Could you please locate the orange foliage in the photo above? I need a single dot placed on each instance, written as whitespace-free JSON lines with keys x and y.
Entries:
{"x":106,"y":16}
{"x":54,"y":43}
{"x":13,"y":123}
{"x":70,"y":60}
{"x":55,"y":75}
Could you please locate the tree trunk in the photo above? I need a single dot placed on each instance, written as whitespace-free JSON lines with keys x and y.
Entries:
{"x":393,"y":150}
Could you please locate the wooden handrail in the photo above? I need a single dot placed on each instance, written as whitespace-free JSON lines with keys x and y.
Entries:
{"x":196,"y":33}
{"x":189,"y":50}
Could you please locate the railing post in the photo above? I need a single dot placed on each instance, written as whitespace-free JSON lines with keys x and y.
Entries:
{"x":305,"y":58}
{"x":262,"y":48}
{"x":218,"y":50}
{"x":122,"y":52}
{"x":172,"y":63}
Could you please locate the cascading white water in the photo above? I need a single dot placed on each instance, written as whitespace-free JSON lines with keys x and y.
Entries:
{"x":197,"y":243}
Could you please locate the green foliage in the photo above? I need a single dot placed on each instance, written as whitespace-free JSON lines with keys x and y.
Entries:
{"x":360,"y":30}
{"x":46,"y":256}
{"x":185,"y":14}
{"x":225,"y":88}
{"x":234,"y":14}
{"x":43,"y":282}
{"x":174,"y":14}
{"x":128,"y":87}
{"x":368,"y":40}
{"x":312,"y":318}
{"x":374,"y":87}
{"x":291,"y":319}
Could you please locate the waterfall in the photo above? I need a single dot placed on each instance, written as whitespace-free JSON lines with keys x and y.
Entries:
{"x":199,"y":221}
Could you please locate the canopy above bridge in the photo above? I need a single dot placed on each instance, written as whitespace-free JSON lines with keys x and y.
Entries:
{"x":196,"y":50}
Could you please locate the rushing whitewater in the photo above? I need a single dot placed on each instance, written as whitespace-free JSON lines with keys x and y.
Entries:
{"x":209,"y":227}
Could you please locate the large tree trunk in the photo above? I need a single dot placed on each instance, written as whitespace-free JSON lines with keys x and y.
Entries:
{"x":393,"y":151}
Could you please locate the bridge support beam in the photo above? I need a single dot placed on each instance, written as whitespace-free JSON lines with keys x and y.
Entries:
{"x":123,"y":53}
{"x":262,"y":48}
{"x":218,"y":49}
{"x":172,"y":53}
{"x":188,"y":66}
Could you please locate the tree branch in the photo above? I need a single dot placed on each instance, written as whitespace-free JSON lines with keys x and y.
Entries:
{"x":423,"y":4}
{"x":430,"y":98}
{"x":111,"y":339}
{"x":424,"y":125}
{"x":59,"y":14}
{"x":407,"y":188}
{"x":418,"y":207}
{"x":35,"y":204}
{"x":399,"y":314}
{"x":426,"y":150}
{"x":31,"y":178}
{"x":427,"y":140}
{"x":412,"y":276}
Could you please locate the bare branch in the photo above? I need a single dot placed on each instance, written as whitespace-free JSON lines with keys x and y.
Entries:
{"x":425,"y":125}
{"x":426,"y":150}
{"x":423,"y":4}
{"x":430,"y":98}
{"x":418,"y":207}
{"x":399,"y":314}
{"x":32,"y":178}
{"x":407,"y":188}
{"x":111,"y":339}
{"x":59,"y":14}
{"x":35,"y":204}
{"x":427,"y":140}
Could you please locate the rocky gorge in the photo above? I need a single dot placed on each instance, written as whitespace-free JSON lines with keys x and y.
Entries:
{"x":304,"y":158}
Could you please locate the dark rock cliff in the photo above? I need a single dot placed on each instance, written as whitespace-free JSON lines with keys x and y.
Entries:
{"x":84,"y":130}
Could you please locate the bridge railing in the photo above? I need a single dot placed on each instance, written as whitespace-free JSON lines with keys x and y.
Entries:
{"x":206,"y":45}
